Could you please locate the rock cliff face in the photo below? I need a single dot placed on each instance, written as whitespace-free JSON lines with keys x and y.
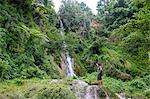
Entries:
{"x":84,"y":91}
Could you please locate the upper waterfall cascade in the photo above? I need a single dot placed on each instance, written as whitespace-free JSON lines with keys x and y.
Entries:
{"x":69,"y":60}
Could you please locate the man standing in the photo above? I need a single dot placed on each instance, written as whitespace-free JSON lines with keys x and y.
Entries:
{"x":99,"y":70}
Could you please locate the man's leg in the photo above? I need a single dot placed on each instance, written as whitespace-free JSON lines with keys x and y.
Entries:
{"x":100,"y":82}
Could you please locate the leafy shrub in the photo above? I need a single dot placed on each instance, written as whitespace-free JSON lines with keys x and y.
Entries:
{"x":4,"y":70}
{"x":57,"y":92}
{"x":30,"y":72}
{"x":114,"y":85}
{"x":147,"y":80}
{"x":147,"y":93}
{"x":138,"y":84}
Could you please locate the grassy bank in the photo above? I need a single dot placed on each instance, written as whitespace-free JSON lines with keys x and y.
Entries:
{"x":35,"y":89}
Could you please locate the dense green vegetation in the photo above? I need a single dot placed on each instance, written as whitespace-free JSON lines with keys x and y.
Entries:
{"x":30,"y":44}
{"x":28,"y":34}
{"x":42,"y":89}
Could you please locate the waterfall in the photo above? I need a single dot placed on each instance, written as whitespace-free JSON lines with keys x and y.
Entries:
{"x":69,"y":60}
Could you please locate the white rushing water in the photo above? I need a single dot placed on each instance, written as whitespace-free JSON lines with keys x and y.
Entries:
{"x":69,"y":62}
{"x":69,"y":65}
